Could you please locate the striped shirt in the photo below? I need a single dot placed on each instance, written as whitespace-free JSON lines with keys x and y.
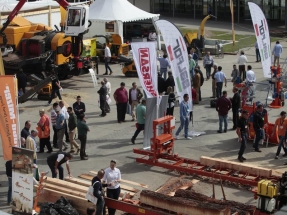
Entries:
{"x":53,"y":117}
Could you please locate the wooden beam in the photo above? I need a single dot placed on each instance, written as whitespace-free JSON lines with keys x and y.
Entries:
{"x":80,"y":204}
{"x":65,"y":190}
{"x":65,"y":184}
{"x":125,"y":181}
{"x":90,"y":177}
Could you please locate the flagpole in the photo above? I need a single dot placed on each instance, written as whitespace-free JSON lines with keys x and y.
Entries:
{"x":17,"y":111}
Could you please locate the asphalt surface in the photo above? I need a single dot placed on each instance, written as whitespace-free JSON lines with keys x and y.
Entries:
{"x":110,"y":140}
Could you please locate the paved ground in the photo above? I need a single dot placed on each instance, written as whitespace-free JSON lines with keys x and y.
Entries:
{"x":109,"y":140}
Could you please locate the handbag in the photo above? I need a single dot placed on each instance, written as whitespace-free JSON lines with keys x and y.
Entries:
{"x":90,"y":194}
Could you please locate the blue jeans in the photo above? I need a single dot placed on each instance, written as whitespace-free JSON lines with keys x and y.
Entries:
{"x":100,"y":207}
{"x":259,"y":134}
{"x":208,"y":70}
{"x":281,"y":144}
{"x":243,"y":145}
{"x":107,"y":66}
{"x":9,"y":196}
{"x":184,"y":122}
{"x":163,"y":71}
{"x":219,"y":89}
{"x":60,"y":169}
{"x":223,"y":119}
{"x":113,"y":194}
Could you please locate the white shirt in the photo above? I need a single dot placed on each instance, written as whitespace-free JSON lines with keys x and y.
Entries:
{"x":109,"y":88}
{"x":134,"y":94}
{"x":250,"y":76}
{"x":64,"y":112}
{"x":242,"y":60}
{"x":220,"y":76}
{"x":61,"y":157}
{"x":107,"y":52}
{"x":111,"y":176}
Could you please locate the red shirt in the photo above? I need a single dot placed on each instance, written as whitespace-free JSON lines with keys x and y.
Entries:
{"x":44,"y":121}
{"x":121,"y":95}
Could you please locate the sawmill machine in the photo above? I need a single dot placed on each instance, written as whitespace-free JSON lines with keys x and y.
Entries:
{"x":38,"y":48}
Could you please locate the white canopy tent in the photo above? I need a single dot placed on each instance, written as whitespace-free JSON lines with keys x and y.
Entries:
{"x":119,"y":11}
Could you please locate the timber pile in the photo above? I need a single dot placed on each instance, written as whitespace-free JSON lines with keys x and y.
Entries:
{"x":242,"y":209}
{"x":182,"y":205}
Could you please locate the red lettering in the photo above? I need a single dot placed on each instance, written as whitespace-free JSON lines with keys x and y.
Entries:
{"x":146,"y":76}
{"x":144,"y":53}
{"x":145,"y":69}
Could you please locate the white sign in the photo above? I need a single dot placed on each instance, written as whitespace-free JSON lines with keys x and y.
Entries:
{"x":144,"y":54}
{"x":94,"y":77}
{"x":262,"y":35}
{"x":178,"y":57}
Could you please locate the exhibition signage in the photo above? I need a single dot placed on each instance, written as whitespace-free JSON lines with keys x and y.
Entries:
{"x":178,"y":56}
{"x":262,"y":35}
{"x":22,"y":181}
{"x":144,"y":54}
{"x":8,"y":115}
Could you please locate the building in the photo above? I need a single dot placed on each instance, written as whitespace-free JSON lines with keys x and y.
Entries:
{"x":274,"y":10}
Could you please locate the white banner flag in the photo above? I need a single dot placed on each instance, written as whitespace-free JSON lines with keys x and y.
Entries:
{"x":262,"y":35}
{"x":177,"y":53}
{"x":144,"y":54}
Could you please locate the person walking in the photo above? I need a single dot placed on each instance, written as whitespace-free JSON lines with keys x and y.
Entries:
{"x":55,"y":162}
{"x":107,"y":59}
{"x":184,"y":115}
{"x":135,"y":96}
{"x":72,"y":126}
{"x":103,"y":98}
{"x":258,"y":124}
{"x":140,"y":112}
{"x":79,"y":107}
{"x":109,"y":91}
{"x":235,"y":101}
{"x":170,"y":102}
{"x":26,"y":130}
{"x":121,"y":99}
{"x":66,"y":115}
{"x":192,"y":65}
{"x":223,"y":105}
{"x":215,"y":69}
{"x":235,"y":75}
{"x":243,"y":133}
{"x":98,"y":191}
{"x":164,"y":64}
{"x":242,"y":60}
{"x":113,"y":178}
{"x":277,"y":51}
{"x":160,"y":84}
{"x":44,"y":131}
{"x":82,"y":135}
{"x":8,"y":166}
{"x":201,"y":81}
{"x":32,"y":145}
{"x":193,"y":55}
{"x":281,"y":126}
{"x":257,"y":52}
{"x":196,"y":86}
{"x":207,"y":64}
{"x":219,"y":78}
{"x":53,"y":121}
{"x":22,"y":80}
{"x":60,"y":127}
{"x":169,"y":82}
{"x":56,"y":87}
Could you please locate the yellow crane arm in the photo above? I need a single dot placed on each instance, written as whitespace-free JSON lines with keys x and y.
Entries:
{"x":201,"y":28}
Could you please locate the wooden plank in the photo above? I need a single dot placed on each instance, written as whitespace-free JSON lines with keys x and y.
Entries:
{"x":249,"y":169}
{"x":80,"y":204}
{"x":65,"y":184}
{"x":65,"y":190}
{"x":125,"y":181}
{"x":90,"y":177}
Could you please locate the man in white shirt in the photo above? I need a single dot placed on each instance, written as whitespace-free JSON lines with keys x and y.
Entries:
{"x":107,"y":59}
{"x":108,"y":86}
{"x":250,"y":79}
{"x":242,"y":60}
{"x":66,"y":115}
{"x":219,"y":78}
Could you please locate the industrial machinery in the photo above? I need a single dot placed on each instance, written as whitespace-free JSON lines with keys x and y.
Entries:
{"x":37,"y":48}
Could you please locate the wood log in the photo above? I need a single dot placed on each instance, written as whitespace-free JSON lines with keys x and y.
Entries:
{"x":181,"y":205}
{"x":125,"y":181}
{"x":79,"y":203}
{"x":90,"y":177}
{"x":225,"y":164}
{"x":234,"y":206}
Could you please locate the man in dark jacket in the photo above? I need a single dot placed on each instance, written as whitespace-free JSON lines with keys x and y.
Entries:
{"x":79,"y":107}
{"x":8,"y":166}
{"x":223,"y":105}
{"x":22,"y":80}
{"x":98,"y":191}
{"x":201,"y":80}
{"x":235,"y":107}
{"x":160,"y":84}
{"x":258,"y":124}
{"x":55,"y":162}
{"x":72,"y":126}
{"x":103,"y":97}
{"x":169,"y":82}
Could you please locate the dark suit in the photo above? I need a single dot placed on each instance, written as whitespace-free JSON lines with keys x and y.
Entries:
{"x":103,"y":97}
{"x":169,"y":82}
{"x":160,"y":84}
{"x":235,"y":108}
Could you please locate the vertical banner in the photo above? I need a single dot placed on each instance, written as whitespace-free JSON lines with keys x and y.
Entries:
{"x":8,"y":116}
{"x":232,"y":20}
{"x":144,"y":54}
{"x":178,"y":57}
{"x":22,"y":181}
{"x":262,"y":36}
